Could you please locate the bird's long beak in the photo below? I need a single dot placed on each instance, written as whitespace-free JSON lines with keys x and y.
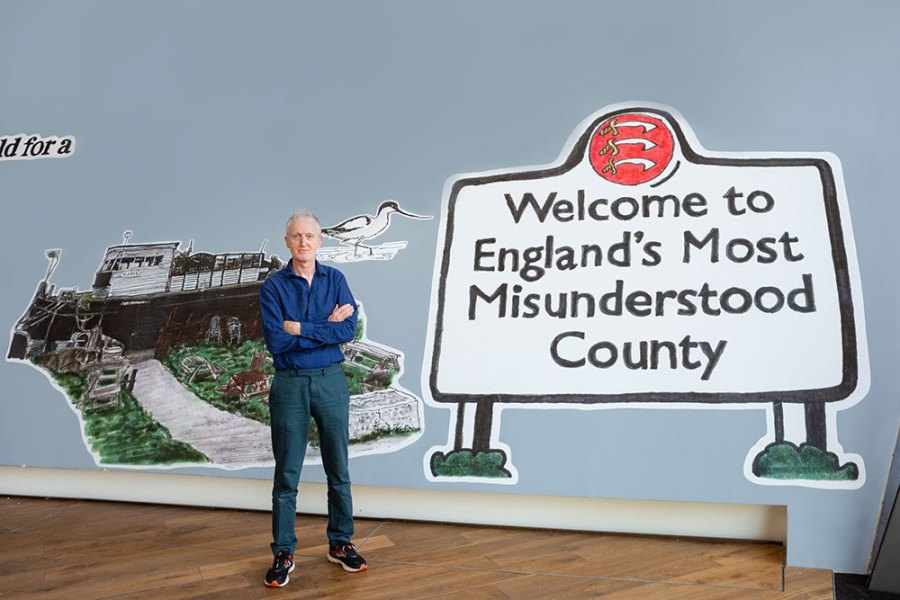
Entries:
{"x":412,"y":215}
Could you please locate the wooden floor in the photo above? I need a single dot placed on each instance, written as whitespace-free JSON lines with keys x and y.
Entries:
{"x":78,"y":549}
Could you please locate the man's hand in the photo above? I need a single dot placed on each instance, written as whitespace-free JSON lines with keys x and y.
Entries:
{"x":291,"y":327}
{"x":340,"y":313}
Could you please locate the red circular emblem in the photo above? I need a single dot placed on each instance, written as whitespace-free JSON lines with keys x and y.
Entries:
{"x":631,"y":148}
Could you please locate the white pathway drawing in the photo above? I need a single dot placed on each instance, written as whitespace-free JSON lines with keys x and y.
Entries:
{"x":229,"y":441}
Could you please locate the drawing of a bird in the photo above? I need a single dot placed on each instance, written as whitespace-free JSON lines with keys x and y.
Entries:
{"x":355,"y":230}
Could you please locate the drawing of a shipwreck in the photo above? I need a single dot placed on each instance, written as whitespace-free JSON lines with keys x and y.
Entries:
{"x":146,"y":297}
{"x":164,"y":363}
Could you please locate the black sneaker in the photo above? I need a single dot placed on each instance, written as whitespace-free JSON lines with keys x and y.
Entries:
{"x":277,"y":576}
{"x":346,"y":556}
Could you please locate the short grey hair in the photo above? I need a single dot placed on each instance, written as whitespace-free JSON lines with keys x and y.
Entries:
{"x":302,"y":214}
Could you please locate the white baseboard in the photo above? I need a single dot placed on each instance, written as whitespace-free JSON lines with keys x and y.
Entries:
{"x":655,"y":517}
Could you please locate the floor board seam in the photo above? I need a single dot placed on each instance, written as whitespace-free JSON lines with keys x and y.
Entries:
{"x":43,"y":518}
{"x":371,"y":533}
{"x":107,"y":540}
{"x":569,"y":575}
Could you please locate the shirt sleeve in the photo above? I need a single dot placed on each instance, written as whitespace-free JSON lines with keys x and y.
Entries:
{"x":277,"y":339}
{"x":326,"y":332}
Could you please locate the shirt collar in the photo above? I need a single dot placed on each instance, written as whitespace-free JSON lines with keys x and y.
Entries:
{"x":289,"y":268}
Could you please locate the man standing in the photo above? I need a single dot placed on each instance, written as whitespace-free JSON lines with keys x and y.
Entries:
{"x":307,"y":312}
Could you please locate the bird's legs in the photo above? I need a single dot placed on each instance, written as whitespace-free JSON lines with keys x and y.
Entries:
{"x":357,"y":244}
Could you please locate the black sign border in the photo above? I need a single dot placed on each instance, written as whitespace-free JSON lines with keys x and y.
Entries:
{"x":835,"y":393}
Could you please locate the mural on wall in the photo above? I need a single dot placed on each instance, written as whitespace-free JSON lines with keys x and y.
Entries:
{"x":164,"y":363}
{"x":641,"y":270}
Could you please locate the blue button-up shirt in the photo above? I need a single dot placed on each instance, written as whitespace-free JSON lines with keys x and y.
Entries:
{"x":285,"y":296}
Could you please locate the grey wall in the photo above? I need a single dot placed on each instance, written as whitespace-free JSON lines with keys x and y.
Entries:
{"x":213,"y":120}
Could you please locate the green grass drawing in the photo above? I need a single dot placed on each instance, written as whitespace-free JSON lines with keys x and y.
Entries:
{"x":232,"y":361}
{"x":125,"y":433}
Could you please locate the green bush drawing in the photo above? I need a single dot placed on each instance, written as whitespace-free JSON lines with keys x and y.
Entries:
{"x":466,"y":463}
{"x":357,"y":376}
{"x":383,"y":432}
{"x":785,"y":460}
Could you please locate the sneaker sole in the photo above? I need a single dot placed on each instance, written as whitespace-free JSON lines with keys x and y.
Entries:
{"x":287,"y":579}
{"x":338,"y":561}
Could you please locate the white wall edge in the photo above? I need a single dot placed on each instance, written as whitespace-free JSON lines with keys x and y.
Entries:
{"x":754,"y":522}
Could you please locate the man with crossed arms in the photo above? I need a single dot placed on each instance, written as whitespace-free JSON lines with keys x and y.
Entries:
{"x":307,"y":313}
